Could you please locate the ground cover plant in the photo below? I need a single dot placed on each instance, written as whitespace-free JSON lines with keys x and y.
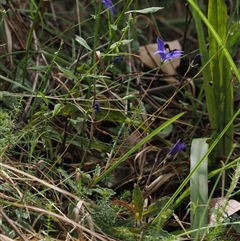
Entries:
{"x":119,"y":120}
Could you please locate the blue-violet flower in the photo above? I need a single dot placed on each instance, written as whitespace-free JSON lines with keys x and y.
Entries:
{"x":117,"y":59}
{"x":196,"y":60}
{"x":108,"y":4}
{"x":96,"y":107}
{"x":176,"y":148}
{"x":166,"y":54}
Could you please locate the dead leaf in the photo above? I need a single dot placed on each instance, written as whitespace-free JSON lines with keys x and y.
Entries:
{"x":153,"y":61}
{"x":222,"y":206}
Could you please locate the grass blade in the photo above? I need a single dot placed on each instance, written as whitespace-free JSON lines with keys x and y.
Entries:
{"x":199,"y":187}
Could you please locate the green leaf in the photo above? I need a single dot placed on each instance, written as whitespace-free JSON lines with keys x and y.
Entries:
{"x":97,"y":170}
{"x":165,"y":132}
{"x":83,"y":68}
{"x":137,"y":203}
{"x":121,"y":42}
{"x":234,"y":34}
{"x":114,"y":27}
{"x":199,"y":186}
{"x":43,"y":97}
{"x":155,"y":208}
{"x":146,"y":10}
{"x":39,"y":67}
{"x":82,"y":42}
{"x":67,"y":72}
{"x":94,"y":76}
{"x":126,"y":41}
{"x":160,"y":219}
{"x":57,"y":109}
{"x":221,"y":75}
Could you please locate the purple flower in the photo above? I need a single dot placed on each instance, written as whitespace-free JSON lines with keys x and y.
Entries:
{"x":196,"y":59}
{"x":176,"y":148}
{"x":166,"y":54}
{"x":96,"y":107}
{"x":117,"y":59}
{"x":108,"y":4}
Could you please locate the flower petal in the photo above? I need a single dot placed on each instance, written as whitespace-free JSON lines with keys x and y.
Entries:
{"x":108,"y":4}
{"x":196,"y":59}
{"x":176,"y":148}
{"x":162,"y":54}
{"x":96,"y":107}
{"x":117,"y":59}
{"x":176,"y":54}
{"x":160,"y":44}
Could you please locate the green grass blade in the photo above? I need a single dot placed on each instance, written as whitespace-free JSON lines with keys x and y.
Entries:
{"x":217,"y":37}
{"x":199,"y":187}
{"x":139,"y":144}
{"x":219,"y":96}
{"x":220,"y":75}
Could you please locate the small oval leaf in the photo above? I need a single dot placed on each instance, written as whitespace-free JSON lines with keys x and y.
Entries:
{"x":146,"y":10}
{"x":82,"y":42}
